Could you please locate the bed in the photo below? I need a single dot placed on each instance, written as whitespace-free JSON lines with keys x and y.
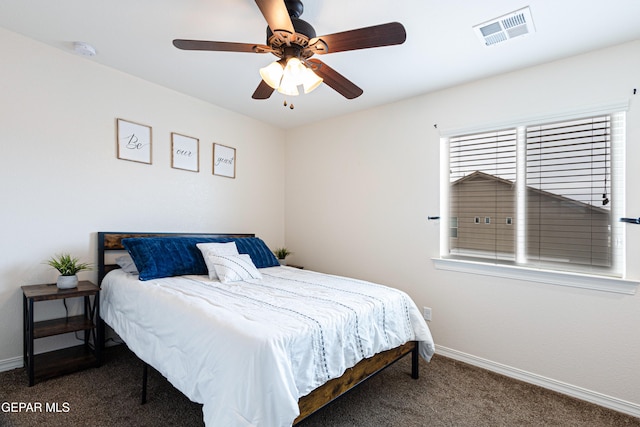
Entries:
{"x":267,"y":349}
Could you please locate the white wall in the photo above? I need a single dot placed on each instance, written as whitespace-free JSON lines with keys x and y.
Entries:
{"x":62,"y":182}
{"x":359,"y":189}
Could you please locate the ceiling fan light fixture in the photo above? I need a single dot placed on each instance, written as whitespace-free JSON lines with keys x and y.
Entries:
{"x":272,"y":74}
{"x":294,"y":69}
{"x":310,"y":80}
{"x":288,"y":87}
{"x":285,"y":77}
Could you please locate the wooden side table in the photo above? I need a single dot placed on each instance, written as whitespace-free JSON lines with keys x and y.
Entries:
{"x":66,"y":360}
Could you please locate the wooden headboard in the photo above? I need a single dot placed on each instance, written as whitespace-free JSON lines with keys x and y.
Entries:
{"x":109,"y":241}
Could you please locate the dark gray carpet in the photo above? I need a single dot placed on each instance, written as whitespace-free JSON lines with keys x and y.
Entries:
{"x":448,"y":393}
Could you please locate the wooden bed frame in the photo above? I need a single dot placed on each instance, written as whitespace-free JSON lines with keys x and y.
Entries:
{"x":111,"y":242}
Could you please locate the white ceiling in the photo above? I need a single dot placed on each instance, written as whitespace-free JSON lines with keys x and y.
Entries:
{"x":441,"y":50}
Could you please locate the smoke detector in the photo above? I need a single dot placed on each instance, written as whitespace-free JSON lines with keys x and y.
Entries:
{"x":84,"y":49}
{"x":506,"y":27}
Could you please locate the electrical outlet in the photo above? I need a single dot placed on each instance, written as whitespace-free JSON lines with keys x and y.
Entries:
{"x":426,"y":313}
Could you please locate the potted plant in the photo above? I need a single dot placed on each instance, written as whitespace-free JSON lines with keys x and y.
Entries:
{"x":281,"y":254}
{"x":68,"y":267}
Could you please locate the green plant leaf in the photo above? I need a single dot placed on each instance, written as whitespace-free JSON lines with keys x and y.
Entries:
{"x":68,"y":265}
{"x":282,"y":253}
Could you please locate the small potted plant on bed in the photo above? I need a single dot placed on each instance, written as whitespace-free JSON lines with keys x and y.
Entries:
{"x":68,"y":267}
{"x":282,"y":254}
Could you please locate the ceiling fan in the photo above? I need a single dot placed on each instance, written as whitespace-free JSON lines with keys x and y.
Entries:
{"x":294,"y":41}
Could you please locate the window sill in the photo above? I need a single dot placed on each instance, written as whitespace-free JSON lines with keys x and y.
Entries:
{"x":576,"y":280}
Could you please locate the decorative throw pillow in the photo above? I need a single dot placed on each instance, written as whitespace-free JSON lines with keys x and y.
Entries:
{"x":211,"y":250}
{"x":157,"y":257}
{"x":234,"y":268}
{"x":260,"y":254}
{"x":126,"y":264}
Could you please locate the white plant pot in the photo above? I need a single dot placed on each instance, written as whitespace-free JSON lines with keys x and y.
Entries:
{"x":283,"y":261}
{"x":67,"y":282}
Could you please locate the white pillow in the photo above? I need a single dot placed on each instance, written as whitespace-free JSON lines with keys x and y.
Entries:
{"x":234,"y":268}
{"x":213,"y":249}
{"x":126,"y":264}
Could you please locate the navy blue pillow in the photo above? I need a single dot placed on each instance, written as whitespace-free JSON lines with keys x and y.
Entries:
{"x":260,"y":254}
{"x":157,"y":257}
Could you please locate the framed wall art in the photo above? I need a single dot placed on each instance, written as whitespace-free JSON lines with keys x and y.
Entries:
{"x":224,"y":161}
{"x":133,"y":141}
{"x":185,"y":152}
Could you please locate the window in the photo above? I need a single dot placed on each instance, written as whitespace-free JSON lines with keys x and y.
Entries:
{"x":453,"y":224}
{"x":553,"y":184}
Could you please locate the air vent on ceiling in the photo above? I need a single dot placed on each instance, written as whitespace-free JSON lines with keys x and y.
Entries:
{"x":506,"y":27}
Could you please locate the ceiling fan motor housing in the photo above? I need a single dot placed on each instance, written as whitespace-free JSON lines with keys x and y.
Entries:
{"x":300,"y":26}
{"x":303,"y":31}
{"x":280,"y":40}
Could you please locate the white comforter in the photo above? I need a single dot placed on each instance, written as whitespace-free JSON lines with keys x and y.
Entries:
{"x":249,"y":350}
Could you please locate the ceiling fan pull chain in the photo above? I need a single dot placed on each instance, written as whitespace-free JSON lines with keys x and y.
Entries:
{"x":291,"y":107}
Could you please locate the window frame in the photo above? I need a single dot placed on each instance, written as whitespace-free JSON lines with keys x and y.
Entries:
{"x":536,"y":274}
{"x":453,"y":227}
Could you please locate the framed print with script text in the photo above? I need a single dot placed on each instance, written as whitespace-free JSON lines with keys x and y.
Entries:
{"x":185,"y":152}
{"x":224,"y":161}
{"x":134,"y":141}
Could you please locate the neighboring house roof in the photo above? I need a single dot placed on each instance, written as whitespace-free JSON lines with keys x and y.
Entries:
{"x":478,"y":175}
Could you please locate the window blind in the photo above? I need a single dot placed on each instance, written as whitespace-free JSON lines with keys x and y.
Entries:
{"x":542,"y":195}
{"x":569,"y":192}
{"x":482,"y":175}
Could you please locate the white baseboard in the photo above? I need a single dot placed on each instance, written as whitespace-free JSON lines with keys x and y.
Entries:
{"x":600,"y":399}
{"x":13,"y":363}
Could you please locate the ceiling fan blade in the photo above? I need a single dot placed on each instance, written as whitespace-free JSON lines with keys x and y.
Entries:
{"x":335,"y":80}
{"x":263,"y":91}
{"x":388,"y":34}
{"x":276,"y":14}
{"x":220,"y":46}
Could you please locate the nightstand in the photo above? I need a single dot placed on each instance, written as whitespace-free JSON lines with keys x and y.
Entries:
{"x":66,"y":360}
